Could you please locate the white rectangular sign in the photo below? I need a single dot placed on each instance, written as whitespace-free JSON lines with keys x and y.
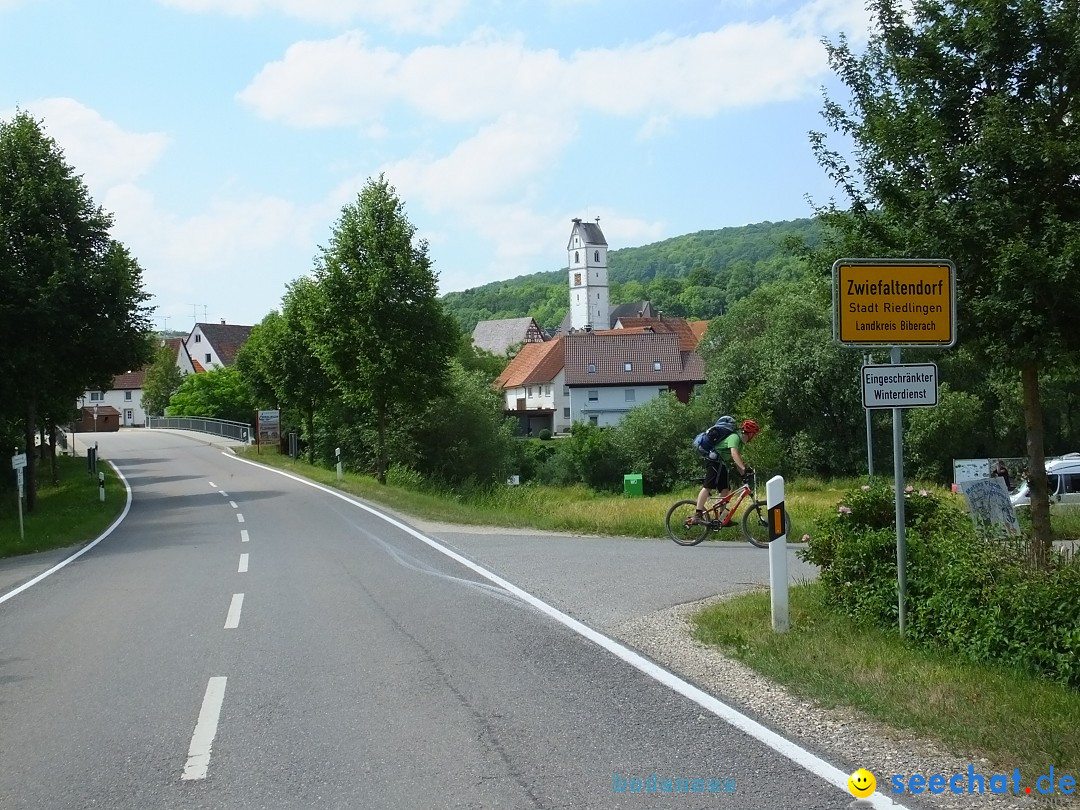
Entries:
{"x":913,"y":385}
{"x":18,"y":461}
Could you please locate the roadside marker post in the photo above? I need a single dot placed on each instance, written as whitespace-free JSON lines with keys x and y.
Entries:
{"x":778,"y":573}
{"x":337,"y":452}
{"x":101,"y":487}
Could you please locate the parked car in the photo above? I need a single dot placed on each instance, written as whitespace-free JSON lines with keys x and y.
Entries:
{"x":1062,"y":482}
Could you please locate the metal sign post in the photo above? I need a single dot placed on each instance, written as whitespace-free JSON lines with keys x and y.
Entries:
{"x":18,"y":463}
{"x":894,"y":303}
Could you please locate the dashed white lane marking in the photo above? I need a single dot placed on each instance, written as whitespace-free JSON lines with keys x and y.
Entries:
{"x":243,"y":564}
{"x":239,"y":518}
{"x":233,"y":505}
{"x":223,"y":493}
{"x":783,"y":746}
{"x":232,"y":621}
{"x":213,"y":485}
{"x":243,"y":536}
{"x":198,"y":761}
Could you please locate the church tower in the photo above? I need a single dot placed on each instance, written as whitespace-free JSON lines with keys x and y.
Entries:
{"x":587,"y":260}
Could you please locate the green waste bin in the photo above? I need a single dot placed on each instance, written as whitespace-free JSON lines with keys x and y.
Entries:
{"x":632,"y":486}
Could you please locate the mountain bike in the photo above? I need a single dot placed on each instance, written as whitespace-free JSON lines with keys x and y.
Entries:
{"x":686,"y":529}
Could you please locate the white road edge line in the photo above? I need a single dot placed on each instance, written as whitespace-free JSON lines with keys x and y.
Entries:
{"x":242,"y":569}
{"x":198,"y":761}
{"x":232,"y":621}
{"x":243,"y":536}
{"x":81,"y":551}
{"x":785,"y":747}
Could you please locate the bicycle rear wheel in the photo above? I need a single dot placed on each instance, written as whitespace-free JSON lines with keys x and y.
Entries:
{"x":755,"y":524}
{"x":679,"y":527}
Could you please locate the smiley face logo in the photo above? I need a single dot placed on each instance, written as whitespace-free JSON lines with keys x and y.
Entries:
{"x":861,"y":783}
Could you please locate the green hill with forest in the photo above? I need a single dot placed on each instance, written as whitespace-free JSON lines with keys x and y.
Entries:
{"x":695,"y":276}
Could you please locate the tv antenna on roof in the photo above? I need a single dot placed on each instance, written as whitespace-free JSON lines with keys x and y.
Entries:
{"x":195,"y":312}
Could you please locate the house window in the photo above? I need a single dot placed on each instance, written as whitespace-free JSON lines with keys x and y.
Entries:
{"x":198,"y":338}
{"x":577,"y":257}
{"x":631,"y":395}
{"x":566,"y":413}
{"x":592,"y":368}
{"x":592,"y":420}
{"x":97,"y":396}
{"x":656,"y":366}
{"x":547,"y":390}
{"x":566,"y":390}
{"x":529,"y":389}
{"x":628,"y":367}
{"x":127,"y":396}
{"x":596,"y":256}
{"x":594,"y":396}
{"x":207,"y":357}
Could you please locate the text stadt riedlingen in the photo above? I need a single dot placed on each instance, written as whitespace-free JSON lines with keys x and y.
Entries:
{"x":895,"y":288}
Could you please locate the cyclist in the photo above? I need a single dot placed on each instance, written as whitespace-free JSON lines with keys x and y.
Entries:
{"x":716,"y":472}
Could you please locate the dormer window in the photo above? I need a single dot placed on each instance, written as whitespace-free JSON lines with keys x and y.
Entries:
{"x":592,"y":368}
{"x":628,"y":366}
{"x":656,"y":366}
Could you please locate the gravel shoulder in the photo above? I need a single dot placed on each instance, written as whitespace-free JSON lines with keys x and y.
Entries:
{"x":665,"y":636}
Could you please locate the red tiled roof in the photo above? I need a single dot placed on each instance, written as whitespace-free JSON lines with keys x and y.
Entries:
{"x":699,"y":328}
{"x":608,"y":352}
{"x":535,"y":363}
{"x":128,"y":381}
{"x":195,"y":364}
{"x":687,"y":341}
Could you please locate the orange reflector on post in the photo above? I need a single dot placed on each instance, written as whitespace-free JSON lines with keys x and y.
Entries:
{"x":776,"y":521}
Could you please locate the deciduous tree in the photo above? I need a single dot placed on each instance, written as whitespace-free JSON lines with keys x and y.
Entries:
{"x":380,"y":329}
{"x":964,"y":119}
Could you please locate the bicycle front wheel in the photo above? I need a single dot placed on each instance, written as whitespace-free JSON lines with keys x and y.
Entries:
{"x":681,"y":526}
{"x":755,"y":524}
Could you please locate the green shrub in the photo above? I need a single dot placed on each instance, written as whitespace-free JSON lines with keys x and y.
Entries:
{"x":968,"y":592}
{"x":545,"y":435}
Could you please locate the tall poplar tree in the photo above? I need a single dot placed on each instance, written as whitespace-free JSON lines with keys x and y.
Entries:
{"x":379,"y":327}
{"x":965,"y":120}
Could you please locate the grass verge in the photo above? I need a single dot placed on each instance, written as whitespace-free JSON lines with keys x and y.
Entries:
{"x":1011,"y":718}
{"x":67,"y":513}
{"x":569,"y":509}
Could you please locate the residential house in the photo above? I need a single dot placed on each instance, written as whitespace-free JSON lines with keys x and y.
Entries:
{"x":533,"y":390}
{"x":608,"y":373}
{"x":120,"y":406}
{"x":212,"y":345}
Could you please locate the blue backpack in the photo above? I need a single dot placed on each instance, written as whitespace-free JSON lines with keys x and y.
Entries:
{"x":705,"y":443}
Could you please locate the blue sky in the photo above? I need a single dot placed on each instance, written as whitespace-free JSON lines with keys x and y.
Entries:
{"x":226,"y":135}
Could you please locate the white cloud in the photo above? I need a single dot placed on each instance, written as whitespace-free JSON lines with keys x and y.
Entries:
{"x":98,"y":149}
{"x":497,"y":161}
{"x":425,"y":16}
{"x":343,"y":81}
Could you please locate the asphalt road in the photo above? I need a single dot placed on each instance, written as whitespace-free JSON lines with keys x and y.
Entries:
{"x":244,"y":640}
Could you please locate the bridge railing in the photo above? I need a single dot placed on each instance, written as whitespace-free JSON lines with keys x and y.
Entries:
{"x":218,"y":427}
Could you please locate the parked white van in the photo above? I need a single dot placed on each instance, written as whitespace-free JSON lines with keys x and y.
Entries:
{"x":1062,"y":482}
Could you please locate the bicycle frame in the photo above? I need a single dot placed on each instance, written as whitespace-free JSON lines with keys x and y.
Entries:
{"x":718,"y":502}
